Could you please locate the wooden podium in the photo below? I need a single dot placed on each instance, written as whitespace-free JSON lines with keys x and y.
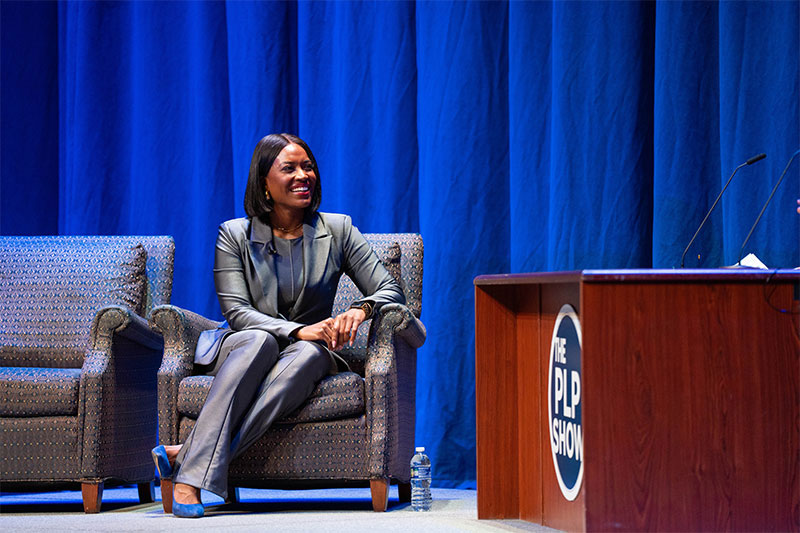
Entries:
{"x":691,"y":399}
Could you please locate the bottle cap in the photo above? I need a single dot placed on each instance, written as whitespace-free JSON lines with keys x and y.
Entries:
{"x":419,"y":449}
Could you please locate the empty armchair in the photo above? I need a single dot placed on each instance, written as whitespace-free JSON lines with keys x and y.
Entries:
{"x":356,"y":428}
{"x":78,"y":362}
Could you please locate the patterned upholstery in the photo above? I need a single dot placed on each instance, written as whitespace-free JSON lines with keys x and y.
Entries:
{"x":41,"y":448}
{"x":401,"y":254}
{"x":50,"y":288}
{"x":338,"y":396}
{"x":26,"y":391}
{"x":48,"y":298}
{"x":356,"y":426}
{"x":78,"y":361}
{"x":295,"y":452}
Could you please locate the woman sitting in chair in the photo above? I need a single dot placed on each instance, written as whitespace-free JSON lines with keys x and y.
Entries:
{"x":276,"y":274}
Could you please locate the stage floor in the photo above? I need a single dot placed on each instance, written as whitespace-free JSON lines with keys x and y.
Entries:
{"x":338,"y":510}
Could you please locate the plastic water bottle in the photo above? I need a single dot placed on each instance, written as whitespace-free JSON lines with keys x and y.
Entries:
{"x":420,"y":481}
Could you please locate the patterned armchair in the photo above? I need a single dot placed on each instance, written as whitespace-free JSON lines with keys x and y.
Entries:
{"x":357,"y":427}
{"x":78,"y":362}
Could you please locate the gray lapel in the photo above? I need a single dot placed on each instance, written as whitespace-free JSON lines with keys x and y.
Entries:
{"x":264,"y":266}
{"x":316,"y":247}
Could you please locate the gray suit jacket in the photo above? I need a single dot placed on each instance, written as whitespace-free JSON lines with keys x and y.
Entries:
{"x":247,"y":288}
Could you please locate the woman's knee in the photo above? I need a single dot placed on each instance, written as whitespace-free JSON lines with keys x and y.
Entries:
{"x":311,"y":355}
{"x":254,"y":347}
{"x":265,"y":342}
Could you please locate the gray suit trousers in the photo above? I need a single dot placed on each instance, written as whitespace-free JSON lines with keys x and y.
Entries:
{"x":255,"y":384}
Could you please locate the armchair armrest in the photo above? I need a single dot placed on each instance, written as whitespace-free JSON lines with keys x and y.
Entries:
{"x":390,"y":389}
{"x":405,"y":324}
{"x":181,"y":328}
{"x":117,"y":407}
{"x":123,"y":321}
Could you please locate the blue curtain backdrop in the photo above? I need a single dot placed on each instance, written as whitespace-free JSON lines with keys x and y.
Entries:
{"x":515,"y":136}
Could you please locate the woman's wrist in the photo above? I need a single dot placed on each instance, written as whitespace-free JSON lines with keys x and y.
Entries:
{"x":293,"y":335}
{"x":367,"y":307}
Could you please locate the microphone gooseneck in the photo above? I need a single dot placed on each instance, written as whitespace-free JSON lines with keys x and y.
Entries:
{"x":775,"y":188}
{"x":750,"y":161}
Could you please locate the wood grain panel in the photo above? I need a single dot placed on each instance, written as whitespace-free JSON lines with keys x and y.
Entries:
{"x":691,"y":399}
{"x":529,"y":387}
{"x":496,"y":412}
{"x":691,"y":407}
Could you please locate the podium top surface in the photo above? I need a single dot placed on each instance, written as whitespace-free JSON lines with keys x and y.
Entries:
{"x":640,"y":275}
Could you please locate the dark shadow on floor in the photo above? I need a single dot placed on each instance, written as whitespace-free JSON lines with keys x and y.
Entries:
{"x":247,"y":506}
{"x":310,"y":504}
{"x":45,"y":507}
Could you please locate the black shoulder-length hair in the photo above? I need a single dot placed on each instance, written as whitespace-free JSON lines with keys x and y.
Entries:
{"x":267,"y":149}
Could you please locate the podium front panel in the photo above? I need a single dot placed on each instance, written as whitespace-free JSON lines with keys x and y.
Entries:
{"x":691,"y":417}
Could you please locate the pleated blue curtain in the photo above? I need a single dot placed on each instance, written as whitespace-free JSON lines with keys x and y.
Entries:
{"x":357,"y":102}
{"x":581,"y":134}
{"x":464,"y":213}
{"x":145,"y":129}
{"x":726,"y":89}
{"x":687,"y":168}
{"x":759,"y":89}
{"x":29,"y":134}
{"x":262,"y":79}
{"x":515,"y":136}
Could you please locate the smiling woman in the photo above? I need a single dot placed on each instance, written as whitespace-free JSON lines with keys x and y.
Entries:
{"x":280,"y":162}
{"x":276,"y":274}
{"x":290,"y":184}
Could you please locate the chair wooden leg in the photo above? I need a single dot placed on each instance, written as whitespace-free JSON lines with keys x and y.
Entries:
{"x":92,"y":494}
{"x":147,"y":492}
{"x":404,"y":492}
{"x":166,"y":495}
{"x":379,"y":488}
{"x":233,"y":495}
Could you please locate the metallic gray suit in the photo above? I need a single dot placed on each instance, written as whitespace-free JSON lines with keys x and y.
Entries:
{"x":261,"y":373}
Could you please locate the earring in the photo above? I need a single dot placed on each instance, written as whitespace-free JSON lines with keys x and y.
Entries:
{"x":269,"y":198}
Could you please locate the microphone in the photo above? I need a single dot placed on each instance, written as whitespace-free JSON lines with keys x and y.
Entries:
{"x":775,"y":188}
{"x":750,"y":161}
{"x":271,"y":248}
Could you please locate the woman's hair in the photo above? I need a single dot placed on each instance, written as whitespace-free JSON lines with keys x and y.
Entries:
{"x":267,"y":149}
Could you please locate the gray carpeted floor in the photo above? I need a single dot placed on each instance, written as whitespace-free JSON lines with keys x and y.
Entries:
{"x":339,"y":510}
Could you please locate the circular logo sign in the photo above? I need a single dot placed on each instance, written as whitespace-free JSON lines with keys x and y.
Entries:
{"x":564,"y":402}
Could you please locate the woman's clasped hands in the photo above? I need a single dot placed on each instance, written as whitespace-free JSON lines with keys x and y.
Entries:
{"x":335,"y":331}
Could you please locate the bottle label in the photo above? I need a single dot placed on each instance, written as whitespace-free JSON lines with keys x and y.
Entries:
{"x":421,"y":471}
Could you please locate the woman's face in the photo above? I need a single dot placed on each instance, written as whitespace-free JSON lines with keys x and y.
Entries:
{"x":291,"y":179}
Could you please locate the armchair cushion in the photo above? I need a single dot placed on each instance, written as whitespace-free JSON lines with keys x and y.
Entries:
{"x":50,"y":291}
{"x":335,"y":397}
{"x":339,"y":396}
{"x":26,"y":391}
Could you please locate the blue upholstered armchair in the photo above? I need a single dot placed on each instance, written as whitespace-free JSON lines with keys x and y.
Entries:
{"x":78,"y":361}
{"x":357,"y":427}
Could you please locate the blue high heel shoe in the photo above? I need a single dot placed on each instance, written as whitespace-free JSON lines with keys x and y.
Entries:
{"x":163,"y":467}
{"x":187,"y":510}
